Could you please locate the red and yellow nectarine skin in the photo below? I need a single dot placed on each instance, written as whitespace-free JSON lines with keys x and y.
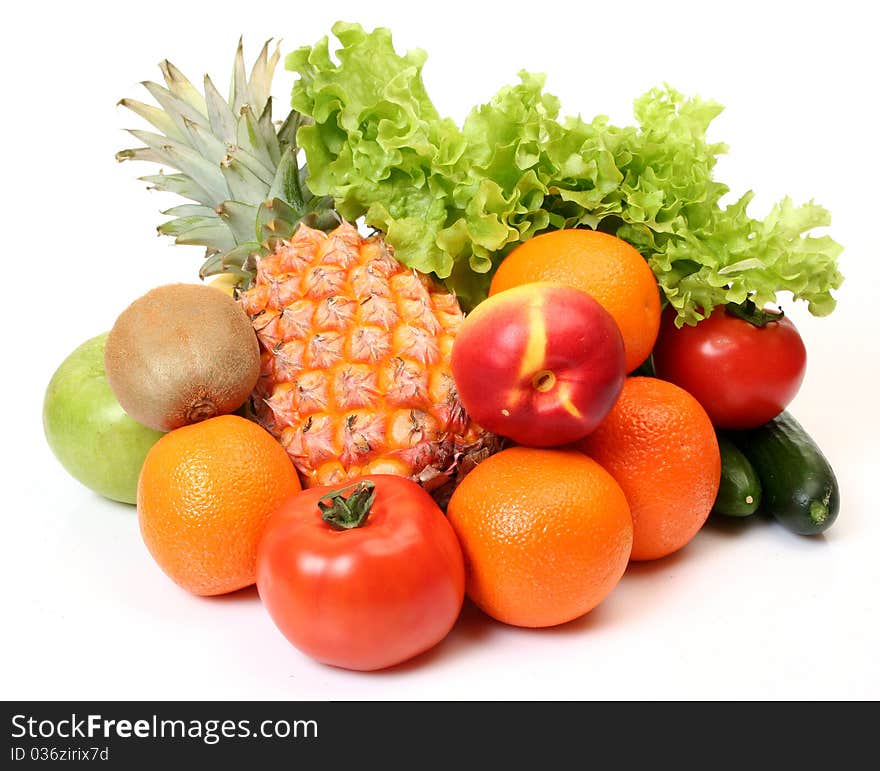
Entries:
{"x":541,"y":364}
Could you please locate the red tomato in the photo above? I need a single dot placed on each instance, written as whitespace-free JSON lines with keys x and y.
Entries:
{"x":742,"y":374}
{"x":369,"y":596}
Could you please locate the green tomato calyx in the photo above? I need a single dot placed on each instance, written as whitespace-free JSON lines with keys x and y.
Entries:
{"x":750,"y":312}
{"x":343,"y":513}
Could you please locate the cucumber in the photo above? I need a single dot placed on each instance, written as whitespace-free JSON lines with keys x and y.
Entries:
{"x":739,"y":492}
{"x":798,"y":484}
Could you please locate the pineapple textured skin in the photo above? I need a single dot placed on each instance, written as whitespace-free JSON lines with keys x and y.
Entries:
{"x":355,"y":362}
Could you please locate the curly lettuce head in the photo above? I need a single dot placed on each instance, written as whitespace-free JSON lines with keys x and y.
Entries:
{"x":454,"y":201}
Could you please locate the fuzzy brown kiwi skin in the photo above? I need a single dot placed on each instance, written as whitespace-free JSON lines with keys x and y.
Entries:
{"x":180,"y":354}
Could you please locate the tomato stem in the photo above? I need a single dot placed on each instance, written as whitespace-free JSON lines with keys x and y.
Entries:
{"x":750,"y":312}
{"x":343,"y":513}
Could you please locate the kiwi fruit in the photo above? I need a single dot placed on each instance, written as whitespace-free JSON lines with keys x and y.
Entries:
{"x":180,"y":354}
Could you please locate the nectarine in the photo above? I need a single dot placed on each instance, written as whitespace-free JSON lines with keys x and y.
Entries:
{"x":541,"y":364}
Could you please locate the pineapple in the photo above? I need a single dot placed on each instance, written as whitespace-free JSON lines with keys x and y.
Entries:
{"x":355,"y":360}
{"x":355,"y":347}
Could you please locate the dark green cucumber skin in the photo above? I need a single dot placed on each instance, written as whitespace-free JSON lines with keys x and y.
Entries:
{"x":799,"y":486}
{"x":739,"y":491}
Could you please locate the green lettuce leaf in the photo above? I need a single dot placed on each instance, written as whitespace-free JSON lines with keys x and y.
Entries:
{"x":454,"y":201}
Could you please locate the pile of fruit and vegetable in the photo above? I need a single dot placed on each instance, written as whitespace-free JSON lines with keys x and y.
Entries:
{"x":501,"y":359}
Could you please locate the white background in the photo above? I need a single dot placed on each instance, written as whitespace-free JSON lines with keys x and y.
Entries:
{"x":741,"y":613}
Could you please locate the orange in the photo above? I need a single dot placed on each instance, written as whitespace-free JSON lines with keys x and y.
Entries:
{"x":546,"y":535}
{"x":659,"y":444}
{"x":204,"y":494}
{"x":601,"y":265}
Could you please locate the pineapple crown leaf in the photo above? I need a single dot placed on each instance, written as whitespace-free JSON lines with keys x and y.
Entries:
{"x":153,"y":115}
{"x":238,"y":260}
{"x":239,"y":218}
{"x":226,"y":155}
{"x":287,"y":184}
{"x":179,"y":184}
{"x":180,"y":86}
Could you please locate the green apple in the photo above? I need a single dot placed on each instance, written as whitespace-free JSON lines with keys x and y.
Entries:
{"x":93,"y":438}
